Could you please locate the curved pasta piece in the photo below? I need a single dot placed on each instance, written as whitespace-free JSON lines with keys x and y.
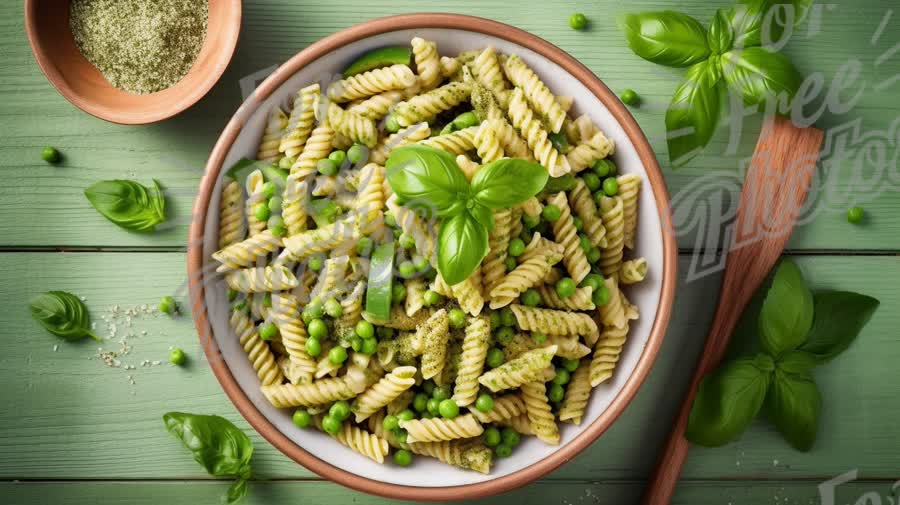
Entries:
{"x":566,"y":234}
{"x":555,"y":322}
{"x":567,"y":346}
{"x":427,"y":105}
{"x":383,"y":392}
{"x":539,"y":247}
{"x":487,"y":143}
{"x":579,"y":300}
{"x":261,"y":279}
{"x":455,"y":143}
{"x":629,"y":187}
{"x":462,"y":453}
{"x":377,"y":106}
{"x":373,"y":82}
{"x":582,"y":203}
{"x":528,"y":367}
{"x":486,"y":70}
{"x":271,"y":138}
{"x":360,"y":441}
{"x":633,"y":271}
{"x":435,"y":333}
{"x":351,"y":311}
{"x":398,"y":319}
{"x":314,"y":393}
{"x":540,"y":417}
{"x":415,"y":227}
{"x":468,"y":293}
{"x":300,"y":124}
{"x":522,"y":117}
{"x":468,"y":167}
{"x":303,"y":245}
{"x":231,"y":215}
{"x":255,"y":196}
{"x":352,"y":125}
{"x":293,"y":205}
{"x":474,"y":351}
{"x":525,"y":275}
{"x":317,"y":147}
{"x":415,"y":296}
{"x":539,"y":96}
{"x":409,"y":135}
{"x":612,"y":213}
{"x":285,"y":314}
{"x":261,"y":358}
{"x":247,"y":252}
{"x":428,"y":63}
{"x":437,"y":429}
{"x":578,"y":392}
{"x":493,"y":267}
{"x":519,"y":423}
{"x":370,"y":201}
{"x":505,"y":407}
{"x":606,"y":354}
{"x":584,"y":154}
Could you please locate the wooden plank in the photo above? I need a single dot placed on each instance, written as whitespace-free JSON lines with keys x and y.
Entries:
{"x":32,"y":114}
{"x":574,"y":493}
{"x":72,"y":417}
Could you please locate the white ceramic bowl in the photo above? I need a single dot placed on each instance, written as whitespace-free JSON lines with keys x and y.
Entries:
{"x":429,"y":479}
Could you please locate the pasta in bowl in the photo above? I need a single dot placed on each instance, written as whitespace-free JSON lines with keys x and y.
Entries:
{"x":446,"y":347}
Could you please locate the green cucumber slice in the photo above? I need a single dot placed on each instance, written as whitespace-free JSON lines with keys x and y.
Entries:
{"x":381,"y":273}
{"x":377,"y":58}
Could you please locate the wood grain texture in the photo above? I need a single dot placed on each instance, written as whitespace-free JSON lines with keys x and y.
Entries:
{"x":32,"y":114}
{"x":74,"y":418}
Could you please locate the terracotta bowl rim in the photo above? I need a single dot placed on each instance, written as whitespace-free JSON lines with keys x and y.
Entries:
{"x":208,"y":184}
{"x":222,"y":56}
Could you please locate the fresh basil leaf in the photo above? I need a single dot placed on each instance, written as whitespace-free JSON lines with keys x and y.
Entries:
{"x":128,"y":204}
{"x":753,"y":22}
{"x":508,"y":182}
{"x":426,"y":175}
{"x":787,"y":311}
{"x":793,"y":404}
{"x":728,"y":400}
{"x":556,"y":184}
{"x":244,"y":167}
{"x":796,"y":362}
{"x":720,"y":36}
{"x":665,"y":37}
{"x":237,"y":491}
{"x":217,"y":444}
{"x":760,"y":75}
{"x":483,"y":215}
{"x":324,"y":211}
{"x":694,"y":112}
{"x":839,"y":317}
{"x":62,"y":314}
{"x":462,"y":244}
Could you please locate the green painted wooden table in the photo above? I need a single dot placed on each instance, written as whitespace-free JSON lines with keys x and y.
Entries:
{"x":74,"y":430}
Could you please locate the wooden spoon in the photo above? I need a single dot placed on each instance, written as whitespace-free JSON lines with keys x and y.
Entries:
{"x":774,"y":190}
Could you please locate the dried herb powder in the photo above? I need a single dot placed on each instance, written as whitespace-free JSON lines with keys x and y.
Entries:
{"x":140,"y":46}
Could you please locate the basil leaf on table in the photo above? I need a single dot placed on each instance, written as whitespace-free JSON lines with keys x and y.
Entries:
{"x":62,"y":314}
{"x":507,"y":182}
{"x":237,"y":491}
{"x":754,"y":23}
{"x":720,"y":36}
{"x":694,"y":112}
{"x":728,"y":400}
{"x":796,"y":362}
{"x":839,"y":317}
{"x":665,"y":37}
{"x":462,"y":244}
{"x":427,"y":175}
{"x":793,"y":405}
{"x":787,"y":311}
{"x":217,"y":444}
{"x":129,"y":204}
{"x":760,"y":75}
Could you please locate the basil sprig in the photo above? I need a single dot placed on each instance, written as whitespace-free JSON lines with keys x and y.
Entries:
{"x":217,"y":444}
{"x":129,"y":204}
{"x":425,"y":177}
{"x":62,"y":314}
{"x":798,"y":330}
{"x":725,"y":54}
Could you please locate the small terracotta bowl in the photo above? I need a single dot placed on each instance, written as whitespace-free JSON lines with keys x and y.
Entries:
{"x":53,"y":45}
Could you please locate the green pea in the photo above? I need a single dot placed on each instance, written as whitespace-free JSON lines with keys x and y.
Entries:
{"x":275,"y":221}
{"x":428,"y":386}
{"x":407,"y":241}
{"x":262,"y":212}
{"x":565,"y":287}
{"x":274,"y":202}
{"x":579,"y":224}
{"x":420,"y":402}
{"x":337,"y":355}
{"x":570,"y":364}
{"x":317,"y":329}
{"x":593,"y":254}
{"x":331,"y":424}
{"x":610,"y":186}
{"x":315,"y":309}
{"x":167,"y":305}
{"x":268,"y":331}
{"x":584,"y":242}
{"x":495,"y":320}
{"x":494,"y":358}
{"x":390,"y":220}
{"x":278,"y":230}
{"x":340,"y":409}
{"x":313,"y":347}
{"x":431,"y":298}
{"x":592,"y":181}
{"x":599,"y":195}
{"x":364,"y":247}
{"x":516,"y":247}
{"x":315,"y":263}
{"x":268,"y":189}
{"x":578,"y":21}
{"x":401,"y":435}
{"x":407,"y":415}
{"x":551,"y":213}
{"x":327,"y":167}
{"x":505,"y":335}
{"x":530,"y":297}
{"x":357,"y":153}
{"x":604,"y":168}
{"x":629,"y":97}
{"x":402,"y":458}
{"x":232,"y":294}
{"x":507,"y":317}
{"x":406,"y":269}
{"x":441,"y":393}
{"x":539,"y":338}
{"x":491,"y":437}
{"x":369,"y":346}
{"x":391,"y":124}
{"x":338,"y":157}
{"x":398,"y":293}
{"x":484,"y":403}
{"x":365,"y":329}
{"x":510,"y":436}
{"x":50,"y":154}
{"x":333,"y":308}
{"x":855,"y":215}
{"x":301,"y":418}
{"x":457,"y":318}
{"x":556,"y":393}
{"x":177,"y":356}
{"x":600,"y":296}
{"x":510,"y":263}
{"x":432,"y":406}
{"x":503,"y":451}
{"x":531,"y":221}
{"x":562,"y":377}
{"x":356,"y":343}
{"x":286,"y":162}
{"x":465,"y":120}
{"x":448,"y":409}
